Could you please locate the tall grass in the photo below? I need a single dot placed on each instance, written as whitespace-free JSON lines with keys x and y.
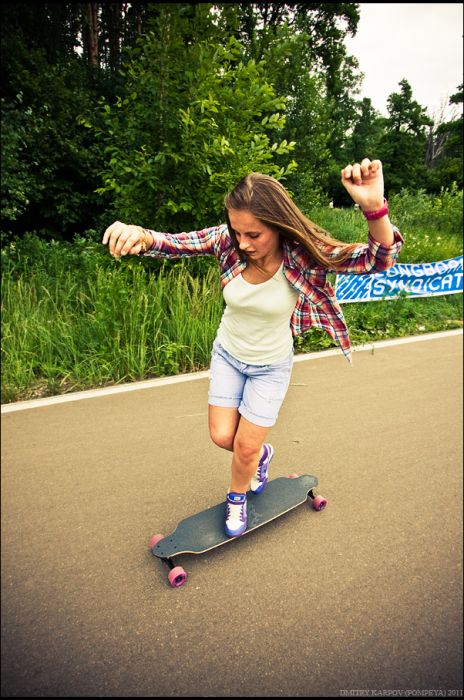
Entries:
{"x":75,"y":318}
{"x":119,"y":323}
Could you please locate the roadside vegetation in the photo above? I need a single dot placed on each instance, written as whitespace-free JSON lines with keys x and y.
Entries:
{"x":74,"y":318}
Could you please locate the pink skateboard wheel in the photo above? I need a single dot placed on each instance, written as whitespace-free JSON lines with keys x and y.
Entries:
{"x":293,"y":476}
{"x":155,"y":539}
{"x":319,"y":503}
{"x":177,"y":577}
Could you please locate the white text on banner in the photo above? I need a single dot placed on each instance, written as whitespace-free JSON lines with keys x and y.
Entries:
{"x":423,"y":280}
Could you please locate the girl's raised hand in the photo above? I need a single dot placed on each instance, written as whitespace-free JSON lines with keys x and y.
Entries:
{"x":364,"y":183}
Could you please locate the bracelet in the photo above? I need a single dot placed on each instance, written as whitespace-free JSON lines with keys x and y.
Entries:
{"x":378,"y":213}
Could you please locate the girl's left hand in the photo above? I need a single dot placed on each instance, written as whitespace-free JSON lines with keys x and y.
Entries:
{"x":364,"y":183}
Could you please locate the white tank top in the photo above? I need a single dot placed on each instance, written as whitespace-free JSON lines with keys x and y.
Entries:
{"x":255,"y":325}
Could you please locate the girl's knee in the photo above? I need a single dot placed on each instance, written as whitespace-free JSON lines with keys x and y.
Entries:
{"x":222,"y":423}
{"x":247,"y":450}
{"x":222,"y":439}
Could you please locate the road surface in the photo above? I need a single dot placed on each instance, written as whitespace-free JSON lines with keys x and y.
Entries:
{"x":366,"y":595}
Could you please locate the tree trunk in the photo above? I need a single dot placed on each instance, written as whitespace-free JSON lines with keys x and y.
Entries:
{"x":90,"y":32}
{"x":115,"y":33}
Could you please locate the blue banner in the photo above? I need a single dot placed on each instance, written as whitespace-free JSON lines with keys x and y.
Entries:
{"x":424,"y":280}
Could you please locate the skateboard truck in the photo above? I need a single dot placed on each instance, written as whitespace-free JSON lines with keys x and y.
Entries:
{"x":177,"y":576}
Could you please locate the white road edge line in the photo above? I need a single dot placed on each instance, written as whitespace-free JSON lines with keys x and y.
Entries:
{"x":164,"y":381}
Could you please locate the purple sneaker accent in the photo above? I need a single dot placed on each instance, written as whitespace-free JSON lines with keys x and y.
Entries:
{"x":236,"y":514}
{"x":261,"y":477}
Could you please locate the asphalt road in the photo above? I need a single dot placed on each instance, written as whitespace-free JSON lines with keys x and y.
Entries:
{"x":366,"y":595}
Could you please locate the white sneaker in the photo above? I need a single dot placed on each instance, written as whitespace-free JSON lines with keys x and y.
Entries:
{"x":236,"y":514}
{"x":261,"y":477}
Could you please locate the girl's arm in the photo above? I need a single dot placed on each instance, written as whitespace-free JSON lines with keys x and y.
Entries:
{"x":372,"y":256}
{"x":364,"y":183}
{"x":126,"y":239}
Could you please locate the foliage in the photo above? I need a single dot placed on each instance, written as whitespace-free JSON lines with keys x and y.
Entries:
{"x":363,"y":141}
{"x":403,"y":144}
{"x":186,"y":97}
{"x":180,"y":138}
{"x":18,"y":183}
{"x":448,"y":166}
{"x":308,"y":124}
{"x":367,"y":132}
{"x":49,"y":160}
{"x":432,"y":224}
{"x":73,"y":317}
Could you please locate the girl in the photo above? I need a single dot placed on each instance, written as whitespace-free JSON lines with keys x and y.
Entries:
{"x":273,"y":262}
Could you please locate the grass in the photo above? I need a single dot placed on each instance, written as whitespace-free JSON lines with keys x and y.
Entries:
{"x":74,"y":318}
{"x":119,"y":325}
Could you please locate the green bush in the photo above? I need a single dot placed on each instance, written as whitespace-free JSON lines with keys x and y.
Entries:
{"x":49,"y":160}
{"x":440,"y":213}
{"x":193,"y":120}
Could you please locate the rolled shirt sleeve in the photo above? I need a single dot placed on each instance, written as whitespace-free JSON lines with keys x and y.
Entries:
{"x":175,"y":245}
{"x":371,"y":256}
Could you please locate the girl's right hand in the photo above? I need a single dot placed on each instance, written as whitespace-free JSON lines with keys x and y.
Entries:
{"x":125,"y":239}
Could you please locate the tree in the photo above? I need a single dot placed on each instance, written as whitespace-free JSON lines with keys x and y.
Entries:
{"x":194,"y":117}
{"x":324,"y":26}
{"x":367,"y":132}
{"x":227,"y":87}
{"x":403,"y":146}
{"x":50,"y":26}
{"x":90,"y":33}
{"x":49,"y":163}
{"x":362,"y":139}
{"x":303,"y":46}
{"x":445,"y":149}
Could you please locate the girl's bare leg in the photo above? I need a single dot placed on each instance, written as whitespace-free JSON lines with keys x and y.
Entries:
{"x":233,"y":432}
{"x":248,"y":447}
{"x":223,"y":423}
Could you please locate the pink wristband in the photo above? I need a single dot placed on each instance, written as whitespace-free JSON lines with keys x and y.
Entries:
{"x":378,"y":213}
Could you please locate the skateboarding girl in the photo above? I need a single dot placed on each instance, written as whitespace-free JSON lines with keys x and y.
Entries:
{"x":273,"y":264}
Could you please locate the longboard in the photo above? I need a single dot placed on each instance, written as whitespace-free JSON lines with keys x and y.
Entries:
{"x":205,"y":530}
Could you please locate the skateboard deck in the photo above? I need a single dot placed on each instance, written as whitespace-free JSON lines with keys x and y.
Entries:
{"x":205,"y":530}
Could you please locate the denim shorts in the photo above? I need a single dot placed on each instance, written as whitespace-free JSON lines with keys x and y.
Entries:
{"x":256,"y":390}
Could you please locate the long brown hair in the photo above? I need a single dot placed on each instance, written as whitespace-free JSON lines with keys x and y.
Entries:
{"x":268,"y":200}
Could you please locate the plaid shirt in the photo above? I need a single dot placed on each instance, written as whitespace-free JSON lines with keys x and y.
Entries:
{"x":316,"y":305}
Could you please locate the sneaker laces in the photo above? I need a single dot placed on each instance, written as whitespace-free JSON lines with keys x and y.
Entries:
{"x":235,"y":511}
{"x":262,"y":466}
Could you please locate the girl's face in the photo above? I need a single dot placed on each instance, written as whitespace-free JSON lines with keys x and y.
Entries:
{"x":255,"y":238}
